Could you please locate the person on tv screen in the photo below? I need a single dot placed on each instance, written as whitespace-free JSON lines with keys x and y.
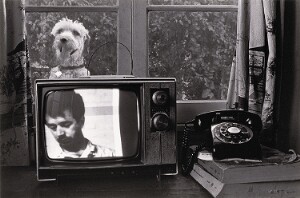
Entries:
{"x":65,"y":119}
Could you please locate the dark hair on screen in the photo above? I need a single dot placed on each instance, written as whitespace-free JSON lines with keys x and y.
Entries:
{"x":59,"y":101}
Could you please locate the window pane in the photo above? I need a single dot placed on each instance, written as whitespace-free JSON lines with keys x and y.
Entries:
{"x":102,"y":28}
{"x":193,"y":2}
{"x":71,"y":2}
{"x":195,"y":47}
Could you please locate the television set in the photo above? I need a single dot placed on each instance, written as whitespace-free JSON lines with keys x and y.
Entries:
{"x":105,"y":126}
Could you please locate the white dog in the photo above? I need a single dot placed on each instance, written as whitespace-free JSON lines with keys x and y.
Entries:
{"x":70,"y":37}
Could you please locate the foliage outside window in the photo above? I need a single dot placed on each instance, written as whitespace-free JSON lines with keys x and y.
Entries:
{"x":195,"y":47}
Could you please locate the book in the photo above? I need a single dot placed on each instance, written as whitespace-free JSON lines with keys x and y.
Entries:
{"x":256,"y":189}
{"x":275,"y":166}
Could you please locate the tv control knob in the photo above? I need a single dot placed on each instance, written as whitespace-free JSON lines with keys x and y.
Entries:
{"x":160,"y":97}
{"x":160,"y":121}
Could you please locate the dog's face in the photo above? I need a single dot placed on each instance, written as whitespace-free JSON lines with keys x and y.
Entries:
{"x":69,"y":40}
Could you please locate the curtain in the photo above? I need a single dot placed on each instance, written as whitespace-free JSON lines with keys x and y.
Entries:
{"x":253,"y":73}
{"x":15,"y":85}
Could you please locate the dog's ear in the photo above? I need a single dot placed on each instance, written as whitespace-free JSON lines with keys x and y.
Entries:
{"x":54,"y":30}
{"x":57,"y":26}
{"x":86,"y":49}
{"x":87,"y":36}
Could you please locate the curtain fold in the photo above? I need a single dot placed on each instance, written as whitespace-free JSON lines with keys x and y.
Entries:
{"x":253,"y":74}
{"x":237,"y":97}
{"x":15,"y":86}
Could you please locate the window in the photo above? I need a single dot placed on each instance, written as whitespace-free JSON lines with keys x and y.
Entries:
{"x":192,"y":40}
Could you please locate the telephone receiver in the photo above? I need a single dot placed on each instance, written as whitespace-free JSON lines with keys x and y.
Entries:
{"x":223,"y":134}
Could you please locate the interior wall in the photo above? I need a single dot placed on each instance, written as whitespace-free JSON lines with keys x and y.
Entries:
{"x":289,"y":109}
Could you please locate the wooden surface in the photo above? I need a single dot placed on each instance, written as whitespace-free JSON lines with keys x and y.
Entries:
{"x":22,"y":182}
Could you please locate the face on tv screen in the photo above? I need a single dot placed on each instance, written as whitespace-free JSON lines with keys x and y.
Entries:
{"x":96,"y":123}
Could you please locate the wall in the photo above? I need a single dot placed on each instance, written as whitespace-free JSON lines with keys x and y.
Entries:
{"x":289,"y":110}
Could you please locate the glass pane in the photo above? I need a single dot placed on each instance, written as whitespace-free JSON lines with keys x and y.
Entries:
{"x":193,"y":2}
{"x":102,"y":28}
{"x":195,"y":47}
{"x":71,"y":2}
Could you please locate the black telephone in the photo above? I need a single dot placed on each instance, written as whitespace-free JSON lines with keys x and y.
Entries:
{"x":225,"y":134}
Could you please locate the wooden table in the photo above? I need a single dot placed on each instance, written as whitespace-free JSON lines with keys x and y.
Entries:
{"x":22,"y":182}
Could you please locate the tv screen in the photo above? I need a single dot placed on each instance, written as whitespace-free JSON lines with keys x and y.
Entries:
{"x":89,"y":124}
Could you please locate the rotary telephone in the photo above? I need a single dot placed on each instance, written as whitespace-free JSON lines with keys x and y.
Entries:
{"x":225,"y":134}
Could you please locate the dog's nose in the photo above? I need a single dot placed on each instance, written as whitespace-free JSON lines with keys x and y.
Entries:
{"x":63,"y":40}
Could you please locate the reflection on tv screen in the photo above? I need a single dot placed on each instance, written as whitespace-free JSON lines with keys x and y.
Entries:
{"x":95,"y":123}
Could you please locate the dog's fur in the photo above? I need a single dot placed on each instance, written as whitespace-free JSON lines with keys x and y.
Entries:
{"x":69,"y":43}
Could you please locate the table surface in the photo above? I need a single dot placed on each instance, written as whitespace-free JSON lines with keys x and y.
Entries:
{"x":22,"y":182}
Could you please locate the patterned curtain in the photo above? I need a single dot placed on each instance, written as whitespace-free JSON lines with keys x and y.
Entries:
{"x":252,"y":81}
{"x":15,"y":87}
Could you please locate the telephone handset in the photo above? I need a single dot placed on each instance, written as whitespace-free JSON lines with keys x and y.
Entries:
{"x":225,"y":134}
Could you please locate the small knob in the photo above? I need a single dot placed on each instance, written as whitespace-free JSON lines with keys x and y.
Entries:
{"x":160,"y":97}
{"x":160,"y":121}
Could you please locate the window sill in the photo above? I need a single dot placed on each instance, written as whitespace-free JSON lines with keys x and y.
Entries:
{"x":187,"y":110}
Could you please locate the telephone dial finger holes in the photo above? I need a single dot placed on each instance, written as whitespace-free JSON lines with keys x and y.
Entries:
{"x":232,"y":133}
